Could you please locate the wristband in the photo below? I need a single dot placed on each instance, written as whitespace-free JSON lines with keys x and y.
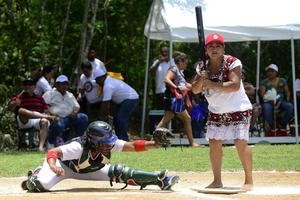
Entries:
{"x":139,"y":145}
{"x":51,"y":154}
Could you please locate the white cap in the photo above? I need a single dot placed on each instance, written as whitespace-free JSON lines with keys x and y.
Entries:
{"x":62,"y":78}
{"x":272,"y":66}
{"x":98,"y":72}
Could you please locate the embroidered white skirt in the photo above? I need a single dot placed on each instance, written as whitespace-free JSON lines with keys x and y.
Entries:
{"x":229,"y":126}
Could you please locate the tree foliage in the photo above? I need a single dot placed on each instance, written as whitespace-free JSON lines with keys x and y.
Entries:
{"x":33,"y":32}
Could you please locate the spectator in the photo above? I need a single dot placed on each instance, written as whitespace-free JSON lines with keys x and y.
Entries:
{"x":43,"y":81}
{"x":62,"y":103}
{"x":96,"y":63}
{"x":89,"y":90}
{"x":256,"y":108}
{"x":175,"y":96}
{"x":159,"y":68}
{"x":229,"y":107}
{"x":31,"y":111}
{"x":122,"y":95}
{"x":276,"y":95}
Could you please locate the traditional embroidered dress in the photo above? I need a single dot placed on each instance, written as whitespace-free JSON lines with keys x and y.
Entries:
{"x":229,"y":112}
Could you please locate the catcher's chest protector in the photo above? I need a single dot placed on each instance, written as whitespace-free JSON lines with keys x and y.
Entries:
{"x":86,"y":163}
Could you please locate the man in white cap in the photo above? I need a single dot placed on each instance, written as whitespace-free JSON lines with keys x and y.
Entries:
{"x":276,"y":95}
{"x":121,"y":94}
{"x":63,"y":104}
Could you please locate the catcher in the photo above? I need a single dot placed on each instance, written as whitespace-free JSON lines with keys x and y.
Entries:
{"x":88,"y":158}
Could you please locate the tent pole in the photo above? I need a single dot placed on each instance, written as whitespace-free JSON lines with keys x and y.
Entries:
{"x":257,"y":69}
{"x":294,"y":91}
{"x":145,"y":89}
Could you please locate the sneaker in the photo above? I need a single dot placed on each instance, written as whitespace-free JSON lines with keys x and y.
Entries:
{"x":30,"y":174}
{"x":23,"y":184}
{"x":163,"y":174}
{"x":169,"y":181}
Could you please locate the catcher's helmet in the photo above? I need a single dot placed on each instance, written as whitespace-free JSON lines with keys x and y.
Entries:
{"x":100,"y":132}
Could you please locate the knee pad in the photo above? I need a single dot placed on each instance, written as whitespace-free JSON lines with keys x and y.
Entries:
{"x":115,"y":172}
{"x":34,"y":185}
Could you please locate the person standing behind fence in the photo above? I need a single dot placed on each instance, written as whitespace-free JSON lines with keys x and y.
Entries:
{"x":159,"y":68}
{"x":229,"y":107}
{"x":175,"y":94}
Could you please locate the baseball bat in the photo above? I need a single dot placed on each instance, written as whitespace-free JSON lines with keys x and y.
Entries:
{"x":201,"y":36}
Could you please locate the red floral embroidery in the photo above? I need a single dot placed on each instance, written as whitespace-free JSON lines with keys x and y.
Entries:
{"x":227,"y":119}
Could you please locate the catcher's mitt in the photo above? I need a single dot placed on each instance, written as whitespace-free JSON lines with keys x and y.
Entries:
{"x":161,"y":135}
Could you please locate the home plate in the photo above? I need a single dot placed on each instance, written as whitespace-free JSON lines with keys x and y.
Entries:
{"x":224,"y":190}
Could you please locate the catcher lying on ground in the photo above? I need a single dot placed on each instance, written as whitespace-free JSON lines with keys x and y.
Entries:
{"x":88,"y":157}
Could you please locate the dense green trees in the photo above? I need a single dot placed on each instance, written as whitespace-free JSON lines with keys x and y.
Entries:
{"x":33,"y":32}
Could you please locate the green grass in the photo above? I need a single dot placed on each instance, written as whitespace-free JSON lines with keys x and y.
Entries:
{"x":265,"y":157}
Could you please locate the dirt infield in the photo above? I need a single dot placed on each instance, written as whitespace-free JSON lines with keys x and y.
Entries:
{"x":268,"y":185}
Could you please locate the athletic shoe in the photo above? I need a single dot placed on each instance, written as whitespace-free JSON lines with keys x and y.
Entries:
{"x":169,"y":181}
{"x":29,"y":174}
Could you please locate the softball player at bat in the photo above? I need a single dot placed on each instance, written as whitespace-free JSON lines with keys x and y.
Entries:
{"x":88,"y":158}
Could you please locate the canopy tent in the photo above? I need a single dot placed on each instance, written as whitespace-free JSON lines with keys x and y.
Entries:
{"x":236,"y":20}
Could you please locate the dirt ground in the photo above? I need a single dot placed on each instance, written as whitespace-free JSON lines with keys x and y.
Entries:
{"x":268,"y":186}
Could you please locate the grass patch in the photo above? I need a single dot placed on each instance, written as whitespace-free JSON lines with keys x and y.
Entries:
{"x":265,"y":157}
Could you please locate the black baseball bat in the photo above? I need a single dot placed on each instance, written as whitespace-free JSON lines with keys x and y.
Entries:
{"x":201,"y":36}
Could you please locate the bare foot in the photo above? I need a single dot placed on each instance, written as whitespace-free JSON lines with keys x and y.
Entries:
{"x":197,"y":145}
{"x":247,"y":187}
{"x":215,"y":185}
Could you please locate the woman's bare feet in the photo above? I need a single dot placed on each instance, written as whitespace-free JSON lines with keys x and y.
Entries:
{"x":247,"y":187}
{"x":197,"y":145}
{"x":215,"y":184}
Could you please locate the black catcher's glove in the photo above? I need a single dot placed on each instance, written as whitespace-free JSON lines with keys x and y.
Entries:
{"x":161,"y":135}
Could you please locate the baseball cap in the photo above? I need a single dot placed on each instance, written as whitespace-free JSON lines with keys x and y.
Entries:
{"x":272,"y":66}
{"x":28,"y":81}
{"x":99,"y":72}
{"x":62,"y":78}
{"x":215,"y":37}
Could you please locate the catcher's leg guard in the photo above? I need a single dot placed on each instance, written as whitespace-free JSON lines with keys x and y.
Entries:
{"x":32,"y":184}
{"x":123,"y":174}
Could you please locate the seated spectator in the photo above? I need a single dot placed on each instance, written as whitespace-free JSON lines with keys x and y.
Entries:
{"x":88,"y":89}
{"x":44,"y":79}
{"x":63,"y":104}
{"x":256,"y":108}
{"x":122,"y":95}
{"x":276,"y":95}
{"x":31,"y":111}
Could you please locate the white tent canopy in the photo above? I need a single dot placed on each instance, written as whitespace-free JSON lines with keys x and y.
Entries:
{"x":236,"y":20}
